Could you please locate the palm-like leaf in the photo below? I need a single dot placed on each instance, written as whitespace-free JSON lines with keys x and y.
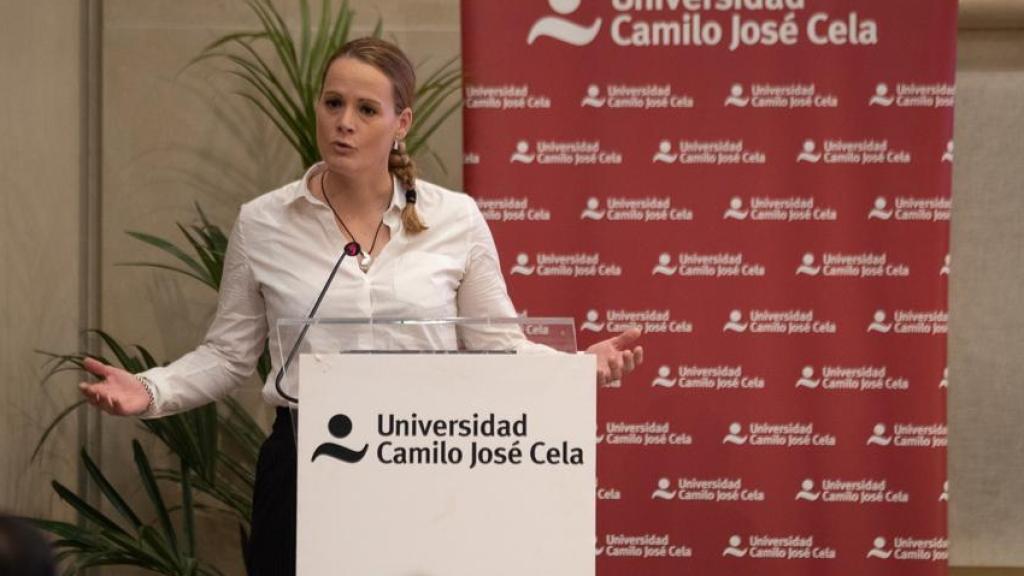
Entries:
{"x":196,"y":437}
{"x":283,"y":83}
{"x":208,"y":242}
{"x":126,"y":540}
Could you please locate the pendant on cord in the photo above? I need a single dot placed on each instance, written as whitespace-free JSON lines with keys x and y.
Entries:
{"x":364,"y":262}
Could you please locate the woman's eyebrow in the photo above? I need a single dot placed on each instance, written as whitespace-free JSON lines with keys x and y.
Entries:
{"x":329,"y":92}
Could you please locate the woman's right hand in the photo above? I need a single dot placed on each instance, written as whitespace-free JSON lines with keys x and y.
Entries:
{"x":118,"y":392}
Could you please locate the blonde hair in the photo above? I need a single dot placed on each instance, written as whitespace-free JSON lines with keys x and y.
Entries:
{"x":393,"y":63}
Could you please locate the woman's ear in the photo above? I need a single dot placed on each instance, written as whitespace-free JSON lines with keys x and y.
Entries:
{"x":404,"y":123}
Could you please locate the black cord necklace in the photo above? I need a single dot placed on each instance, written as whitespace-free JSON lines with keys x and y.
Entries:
{"x":365,"y":258}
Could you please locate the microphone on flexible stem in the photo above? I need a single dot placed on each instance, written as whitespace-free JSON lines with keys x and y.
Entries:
{"x":351,"y":249}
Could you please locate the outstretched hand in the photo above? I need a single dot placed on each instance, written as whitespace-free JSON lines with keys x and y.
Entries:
{"x":617,"y":356}
{"x":118,"y":392}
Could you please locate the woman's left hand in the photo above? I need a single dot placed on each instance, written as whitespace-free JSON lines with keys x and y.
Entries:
{"x":617,"y":356}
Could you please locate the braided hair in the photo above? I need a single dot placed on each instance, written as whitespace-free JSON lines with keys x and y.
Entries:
{"x":393,"y":63}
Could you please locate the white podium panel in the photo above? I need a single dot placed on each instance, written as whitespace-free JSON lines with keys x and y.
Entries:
{"x":446,"y":465}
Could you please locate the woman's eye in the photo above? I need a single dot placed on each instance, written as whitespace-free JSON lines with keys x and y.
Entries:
{"x":333,"y":103}
{"x":369,"y":110}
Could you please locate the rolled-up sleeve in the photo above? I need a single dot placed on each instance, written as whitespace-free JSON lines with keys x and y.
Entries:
{"x":232,"y":345}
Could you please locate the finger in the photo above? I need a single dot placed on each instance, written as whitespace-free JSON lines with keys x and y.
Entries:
{"x":87,"y":391}
{"x":96,"y":367}
{"x":638,"y":355}
{"x":602,"y":378}
{"x":623,"y":340}
{"x":89,"y":395}
{"x":627,"y":362}
{"x":615,"y":368}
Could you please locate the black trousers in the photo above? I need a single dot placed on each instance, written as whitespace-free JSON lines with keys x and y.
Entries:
{"x":272,"y":540}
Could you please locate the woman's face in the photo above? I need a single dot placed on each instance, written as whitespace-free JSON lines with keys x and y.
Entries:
{"x":356,"y":123}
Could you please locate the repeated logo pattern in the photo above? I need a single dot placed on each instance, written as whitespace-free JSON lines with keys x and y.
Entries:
{"x":763,"y":186}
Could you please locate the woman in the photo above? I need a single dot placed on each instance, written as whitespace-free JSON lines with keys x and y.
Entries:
{"x":426,"y":251}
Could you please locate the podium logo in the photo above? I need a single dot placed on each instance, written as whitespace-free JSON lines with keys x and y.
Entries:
{"x":563,"y":29}
{"x":339,"y":426}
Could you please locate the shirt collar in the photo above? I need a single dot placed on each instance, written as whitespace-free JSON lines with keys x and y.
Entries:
{"x":300,"y":189}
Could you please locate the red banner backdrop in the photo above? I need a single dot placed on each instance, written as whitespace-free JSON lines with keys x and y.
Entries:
{"x":764,"y":187}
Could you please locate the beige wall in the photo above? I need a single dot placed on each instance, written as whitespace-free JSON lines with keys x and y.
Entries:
{"x":173,"y":137}
{"x":986,"y":398}
{"x":39,"y":238}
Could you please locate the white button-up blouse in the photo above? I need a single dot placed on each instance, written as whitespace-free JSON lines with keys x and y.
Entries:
{"x":280,"y":253}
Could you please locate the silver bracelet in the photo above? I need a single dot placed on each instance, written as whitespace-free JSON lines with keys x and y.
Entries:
{"x":149,"y":391}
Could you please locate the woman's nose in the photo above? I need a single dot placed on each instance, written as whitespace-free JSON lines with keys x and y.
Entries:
{"x":346,"y":120}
